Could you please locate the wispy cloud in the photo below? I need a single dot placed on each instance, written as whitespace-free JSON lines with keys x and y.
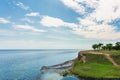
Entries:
{"x":74,"y":5}
{"x":107,"y":10}
{"x":59,"y":38}
{"x":79,"y":6}
{"x":55,"y":22}
{"x":28,"y":27}
{"x":27,"y":20}
{"x":87,"y":28}
{"x":102,"y":31}
{"x":21,"y":5}
{"x":96,"y":24}
{"x":33,"y":14}
{"x":4,"y":21}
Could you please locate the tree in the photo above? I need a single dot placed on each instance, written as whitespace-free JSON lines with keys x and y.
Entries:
{"x":95,"y":46}
{"x":100,"y":46}
{"x":113,"y":47}
{"x":109,"y":46}
{"x":103,"y":47}
{"x":117,"y":45}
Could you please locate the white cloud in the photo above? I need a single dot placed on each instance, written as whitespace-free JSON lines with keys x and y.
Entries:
{"x":4,"y":21}
{"x":87,"y":28}
{"x":90,"y":3}
{"x":86,"y":22}
{"x":27,"y":27}
{"x":33,"y":14}
{"x":21,"y":5}
{"x":59,"y":38}
{"x":55,"y":22}
{"x":27,"y":20}
{"x":51,"y":22}
{"x":73,"y":4}
{"x":98,"y":32}
{"x":107,"y":10}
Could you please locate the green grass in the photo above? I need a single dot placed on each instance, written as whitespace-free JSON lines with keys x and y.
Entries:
{"x":115,"y":54}
{"x":112,"y":52}
{"x":116,"y":58}
{"x":97,"y":66}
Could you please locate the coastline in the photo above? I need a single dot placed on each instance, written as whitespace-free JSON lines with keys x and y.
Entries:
{"x":98,"y":66}
{"x":70,"y":70}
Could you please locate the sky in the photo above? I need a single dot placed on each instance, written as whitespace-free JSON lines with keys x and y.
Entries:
{"x":58,"y":24}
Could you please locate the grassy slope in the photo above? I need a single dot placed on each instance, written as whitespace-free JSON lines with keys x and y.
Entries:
{"x":115,"y":55}
{"x":97,"y":66}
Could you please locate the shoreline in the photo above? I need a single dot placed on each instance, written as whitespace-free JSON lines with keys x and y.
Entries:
{"x":69,"y":70}
{"x":65,"y":65}
{"x":96,"y":64}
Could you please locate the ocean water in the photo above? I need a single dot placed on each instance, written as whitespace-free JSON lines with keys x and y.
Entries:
{"x":26,"y":64}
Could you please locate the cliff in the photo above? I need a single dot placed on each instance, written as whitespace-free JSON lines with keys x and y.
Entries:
{"x":100,"y":65}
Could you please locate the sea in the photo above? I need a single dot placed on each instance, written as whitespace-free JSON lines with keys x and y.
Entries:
{"x":26,"y":64}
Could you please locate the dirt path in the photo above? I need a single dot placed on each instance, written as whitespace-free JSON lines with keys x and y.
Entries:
{"x":108,"y":57}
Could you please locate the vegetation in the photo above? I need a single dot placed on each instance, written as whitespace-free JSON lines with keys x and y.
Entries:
{"x":108,"y":46}
{"x":97,"y":65}
{"x":99,"y":62}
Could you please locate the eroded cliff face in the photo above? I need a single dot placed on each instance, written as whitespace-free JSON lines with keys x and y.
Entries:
{"x":82,"y":57}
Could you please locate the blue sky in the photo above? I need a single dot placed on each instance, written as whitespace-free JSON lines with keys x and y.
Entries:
{"x":58,"y":24}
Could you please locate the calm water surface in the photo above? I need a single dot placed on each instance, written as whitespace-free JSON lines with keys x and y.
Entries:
{"x":26,"y":64}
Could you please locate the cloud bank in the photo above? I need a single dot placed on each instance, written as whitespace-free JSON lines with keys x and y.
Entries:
{"x":96,"y":24}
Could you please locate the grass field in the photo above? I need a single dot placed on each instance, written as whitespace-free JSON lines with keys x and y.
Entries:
{"x":114,"y":52}
{"x":97,"y":65}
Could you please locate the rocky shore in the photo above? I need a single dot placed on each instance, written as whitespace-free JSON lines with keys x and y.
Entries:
{"x":64,"y":65}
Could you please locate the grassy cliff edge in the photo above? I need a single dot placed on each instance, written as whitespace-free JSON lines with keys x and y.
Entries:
{"x":98,"y":65}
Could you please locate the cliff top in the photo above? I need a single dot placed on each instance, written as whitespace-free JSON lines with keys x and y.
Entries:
{"x":98,"y":64}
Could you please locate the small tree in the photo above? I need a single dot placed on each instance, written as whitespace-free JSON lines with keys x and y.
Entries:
{"x":113,"y":47}
{"x":109,"y":46}
{"x":103,"y":47}
{"x":100,"y":46}
{"x":117,"y":45}
{"x":95,"y":46}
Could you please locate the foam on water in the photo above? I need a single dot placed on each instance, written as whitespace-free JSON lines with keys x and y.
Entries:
{"x":51,"y":76}
{"x":54,"y":75}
